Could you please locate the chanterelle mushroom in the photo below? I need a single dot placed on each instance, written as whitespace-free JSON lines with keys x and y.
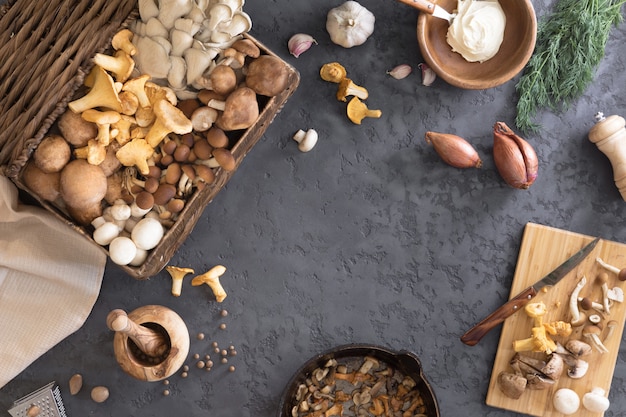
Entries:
{"x":102,"y":93}
{"x":357,"y":111}
{"x":212,"y":279}
{"x":168,"y":119}
{"x":177,"y":273}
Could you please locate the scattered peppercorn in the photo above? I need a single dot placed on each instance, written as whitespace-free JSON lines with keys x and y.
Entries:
{"x":196,"y":356}
{"x":231,"y":368}
{"x":224,"y":360}
{"x":224,"y":352}
{"x":166,"y":392}
{"x":223,"y":313}
{"x":222,"y":326}
{"x":200,"y":364}
{"x":200,"y":336}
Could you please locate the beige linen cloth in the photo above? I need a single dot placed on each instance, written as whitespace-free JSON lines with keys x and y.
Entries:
{"x":50,"y":278}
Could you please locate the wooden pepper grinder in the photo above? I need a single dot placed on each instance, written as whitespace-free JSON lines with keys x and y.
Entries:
{"x":609,"y":135}
{"x":151,"y":343}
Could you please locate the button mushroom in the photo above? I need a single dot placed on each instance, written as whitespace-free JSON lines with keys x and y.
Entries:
{"x":566,"y":401}
{"x":306,"y":140}
{"x":82,"y":185}
{"x":596,"y":401}
{"x":52,"y":154}
{"x":147,"y":233}
{"x":76,"y":130}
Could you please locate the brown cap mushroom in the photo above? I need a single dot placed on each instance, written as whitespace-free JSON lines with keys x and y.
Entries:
{"x":222,"y":80}
{"x":203,"y":118}
{"x":44,"y":185}
{"x":102,"y":93}
{"x":217,"y":138}
{"x":82,"y":185}
{"x":247,"y":47}
{"x":267,"y":75}
{"x":240,"y":110}
{"x":512,"y":385}
{"x":52,"y":154}
{"x":76,"y":130}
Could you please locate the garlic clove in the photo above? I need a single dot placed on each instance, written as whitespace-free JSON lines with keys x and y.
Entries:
{"x":400,"y":71}
{"x":300,"y":43}
{"x":515,"y":159}
{"x":454,"y":150}
{"x":428,"y":74}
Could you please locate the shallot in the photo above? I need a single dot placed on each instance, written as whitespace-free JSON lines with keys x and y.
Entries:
{"x":515,"y":158}
{"x":454,"y":150}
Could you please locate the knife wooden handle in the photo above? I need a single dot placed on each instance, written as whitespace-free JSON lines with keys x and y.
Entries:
{"x":421,"y":5}
{"x":473,"y":335}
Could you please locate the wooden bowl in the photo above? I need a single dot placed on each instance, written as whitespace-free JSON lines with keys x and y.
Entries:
{"x":404,"y":361}
{"x":520,"y":34}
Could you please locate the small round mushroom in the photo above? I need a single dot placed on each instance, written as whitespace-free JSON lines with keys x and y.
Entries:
{"x":566,"y":401}
{"x":203,"y":118}
{"x":222,"y":80}
{"x":122,"y":250}
{"x":52,"y":154}
{"x":217,"y":137}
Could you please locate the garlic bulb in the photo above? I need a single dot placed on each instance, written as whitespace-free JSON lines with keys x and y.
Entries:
{"x":350,"y":24}
{"x":515,"y":159}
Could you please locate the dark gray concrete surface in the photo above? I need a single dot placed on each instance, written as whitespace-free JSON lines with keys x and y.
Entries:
{"x":369,"y":238}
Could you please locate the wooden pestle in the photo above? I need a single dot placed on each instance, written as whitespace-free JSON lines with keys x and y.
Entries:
{"x":149,"y":341}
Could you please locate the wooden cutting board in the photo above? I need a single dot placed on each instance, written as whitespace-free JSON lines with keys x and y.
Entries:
{"x":544,"y":248}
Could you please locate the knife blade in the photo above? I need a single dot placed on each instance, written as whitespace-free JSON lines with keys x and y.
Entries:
{"x":473,"y":335}
{"x":429,"y":7}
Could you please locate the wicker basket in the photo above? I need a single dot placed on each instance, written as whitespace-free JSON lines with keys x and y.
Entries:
{"x":45,"y":54}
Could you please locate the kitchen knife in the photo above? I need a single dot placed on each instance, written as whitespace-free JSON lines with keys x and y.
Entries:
{"x":430,"y":8}
{"x":473,"y":335}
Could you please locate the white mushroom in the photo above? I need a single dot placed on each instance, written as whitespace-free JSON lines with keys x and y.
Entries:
{"x":155,"y":28}
{"x":218,"y":13}
{"x":147,"y":233}
{"x":147,"y":9}
{"x":240,"y":23}
{"x":306,"y":140}
{"x":122,"y":250}
{"x":578,"y":317}
{"x":170,"y":10}
{"x":151,"y":57}
{"x":566,"y":401}
{"x":105,"y":233}
{"x":596,"y":401}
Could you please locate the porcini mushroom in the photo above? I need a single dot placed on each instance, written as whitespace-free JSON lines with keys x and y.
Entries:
{"x":177,"y":273}
{"x":357,"y":111}
{"x":169,"y":119}
{"x":239,"y":111}
{"x":212,"y":279}
{"x":267,"y":75}
{"x":102,"y":93}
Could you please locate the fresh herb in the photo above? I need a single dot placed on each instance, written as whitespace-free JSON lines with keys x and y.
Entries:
{"x":570,"y":45}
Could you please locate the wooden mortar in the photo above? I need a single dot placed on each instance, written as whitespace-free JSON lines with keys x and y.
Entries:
{"x":151,"y":343}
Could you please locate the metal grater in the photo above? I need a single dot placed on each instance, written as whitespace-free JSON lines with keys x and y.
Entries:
{"x":47,"y":398}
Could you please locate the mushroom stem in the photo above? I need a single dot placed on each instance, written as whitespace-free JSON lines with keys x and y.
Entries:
{"x":177,"y":274}
{"x":577,"y":318}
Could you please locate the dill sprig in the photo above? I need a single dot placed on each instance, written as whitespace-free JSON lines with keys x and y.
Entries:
{"x":570,"y":45}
